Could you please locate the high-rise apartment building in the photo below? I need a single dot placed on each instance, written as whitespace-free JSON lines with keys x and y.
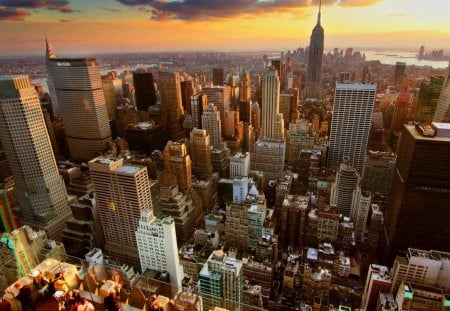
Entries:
{"x":157,"y":246}
{"x":41,"y":193}
{"x":442,"y":113}
{"x":200,"y":148}
{"x":313,"y":83}
{"x":350,"y":125}
{"x":218,"y":76}
{"x":171,"y":113}
{"x":122,"y":192}
{"x":78,"y":88}
{"x":144,"y":87}
{"x":272,"y":121}
{"x":418,"y":209}
{"x":428,"y":99}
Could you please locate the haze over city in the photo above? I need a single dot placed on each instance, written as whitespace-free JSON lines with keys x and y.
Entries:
{"x":102,"y":26}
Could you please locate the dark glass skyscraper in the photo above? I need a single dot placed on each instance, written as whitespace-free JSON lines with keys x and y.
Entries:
{"x":145,"y":90}
{"x":315,"y":55}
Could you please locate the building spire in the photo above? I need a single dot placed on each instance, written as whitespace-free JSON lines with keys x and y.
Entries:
{"x":318,"y":15}
{"x":49,"y":54}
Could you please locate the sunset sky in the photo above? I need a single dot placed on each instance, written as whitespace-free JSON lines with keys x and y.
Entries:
{"x":92,"y":26}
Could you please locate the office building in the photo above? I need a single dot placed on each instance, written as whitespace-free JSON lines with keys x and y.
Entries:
{"x":200,"y":149}
{"x":430,"y":268}
{"x":399,"y":73}
{"x":171,"y":111}
{"x":220,"y":96}
{"x":378,"y":281}
{"x":442,"y":113}
{"x":84,"y":230}
{"x":361,"y":206}
{"x":272,"y":121}
{"x":122,"y":192}
{"x":401,"y":111}
{"x":198,"y":105}
{"x":268,"y":157}
{"x":40,"y":190}
{"x":416,"y":296}
{"x":343,"y":189}
{"x":418,"y":208}
{"x":187,"y":90}
{"x":428,"y":99}
{"x":110,"y":96}
{"x":350,"y":125}
{"x":211,"y":122}
{"x":245,"y":95}
{"x":298,"y":137}
{"x":313,"y":84}
{"x":78,"y":88}
{"x":144,"y":87}
{"x":157,"y":246}
{"x":221,"y":281}
{"x":218,"y":76}
{"x":379,"y":172}
{"x":293,"y":220}
{"x":239,"y":164}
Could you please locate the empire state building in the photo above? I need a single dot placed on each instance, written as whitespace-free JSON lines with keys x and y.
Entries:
{"x":313,"y":84}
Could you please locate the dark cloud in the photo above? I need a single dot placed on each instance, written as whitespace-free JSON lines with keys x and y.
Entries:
{"x":114,"y":10}
{"x":59,"y":5}
{"x":205,"y":9}
{"x":12,"y":14}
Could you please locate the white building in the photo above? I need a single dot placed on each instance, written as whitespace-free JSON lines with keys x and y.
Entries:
{"x":350,"y":125}
{"x":157,"y":245}
{"x":239,"y":164}
{"x":240,"y":189}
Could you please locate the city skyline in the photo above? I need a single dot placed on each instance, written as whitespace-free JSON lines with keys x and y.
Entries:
{"x":75,"y":26}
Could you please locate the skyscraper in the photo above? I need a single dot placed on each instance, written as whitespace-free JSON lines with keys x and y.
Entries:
{"x":41,"y":193}
{"x":442,"y":113}
{"x":272,"y":121}
{"x":78,"y":88}
{"x":218,"y":76}
{"x":157,"y":246}
{"x":245,"y":95}
{"x":144,"y":87}
{"x":211,"y":122}
{"x":171,"y":114}
{"x":350,"y":125}
{"x":187,"y":90}
{"x":342,"y":191}
{"x":122,"y":192}
{"x":399,"y":72}
{"x":428,"y":99}
{"x":418,"y":210}
{"x":313,"y":83}
{"x":201,"y":153}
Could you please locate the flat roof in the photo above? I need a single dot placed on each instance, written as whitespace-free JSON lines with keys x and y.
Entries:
{"x":129,"y":169}
{"x":356,"y":86}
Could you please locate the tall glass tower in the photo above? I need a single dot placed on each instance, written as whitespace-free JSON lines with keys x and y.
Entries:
{"x":41,"y":193}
